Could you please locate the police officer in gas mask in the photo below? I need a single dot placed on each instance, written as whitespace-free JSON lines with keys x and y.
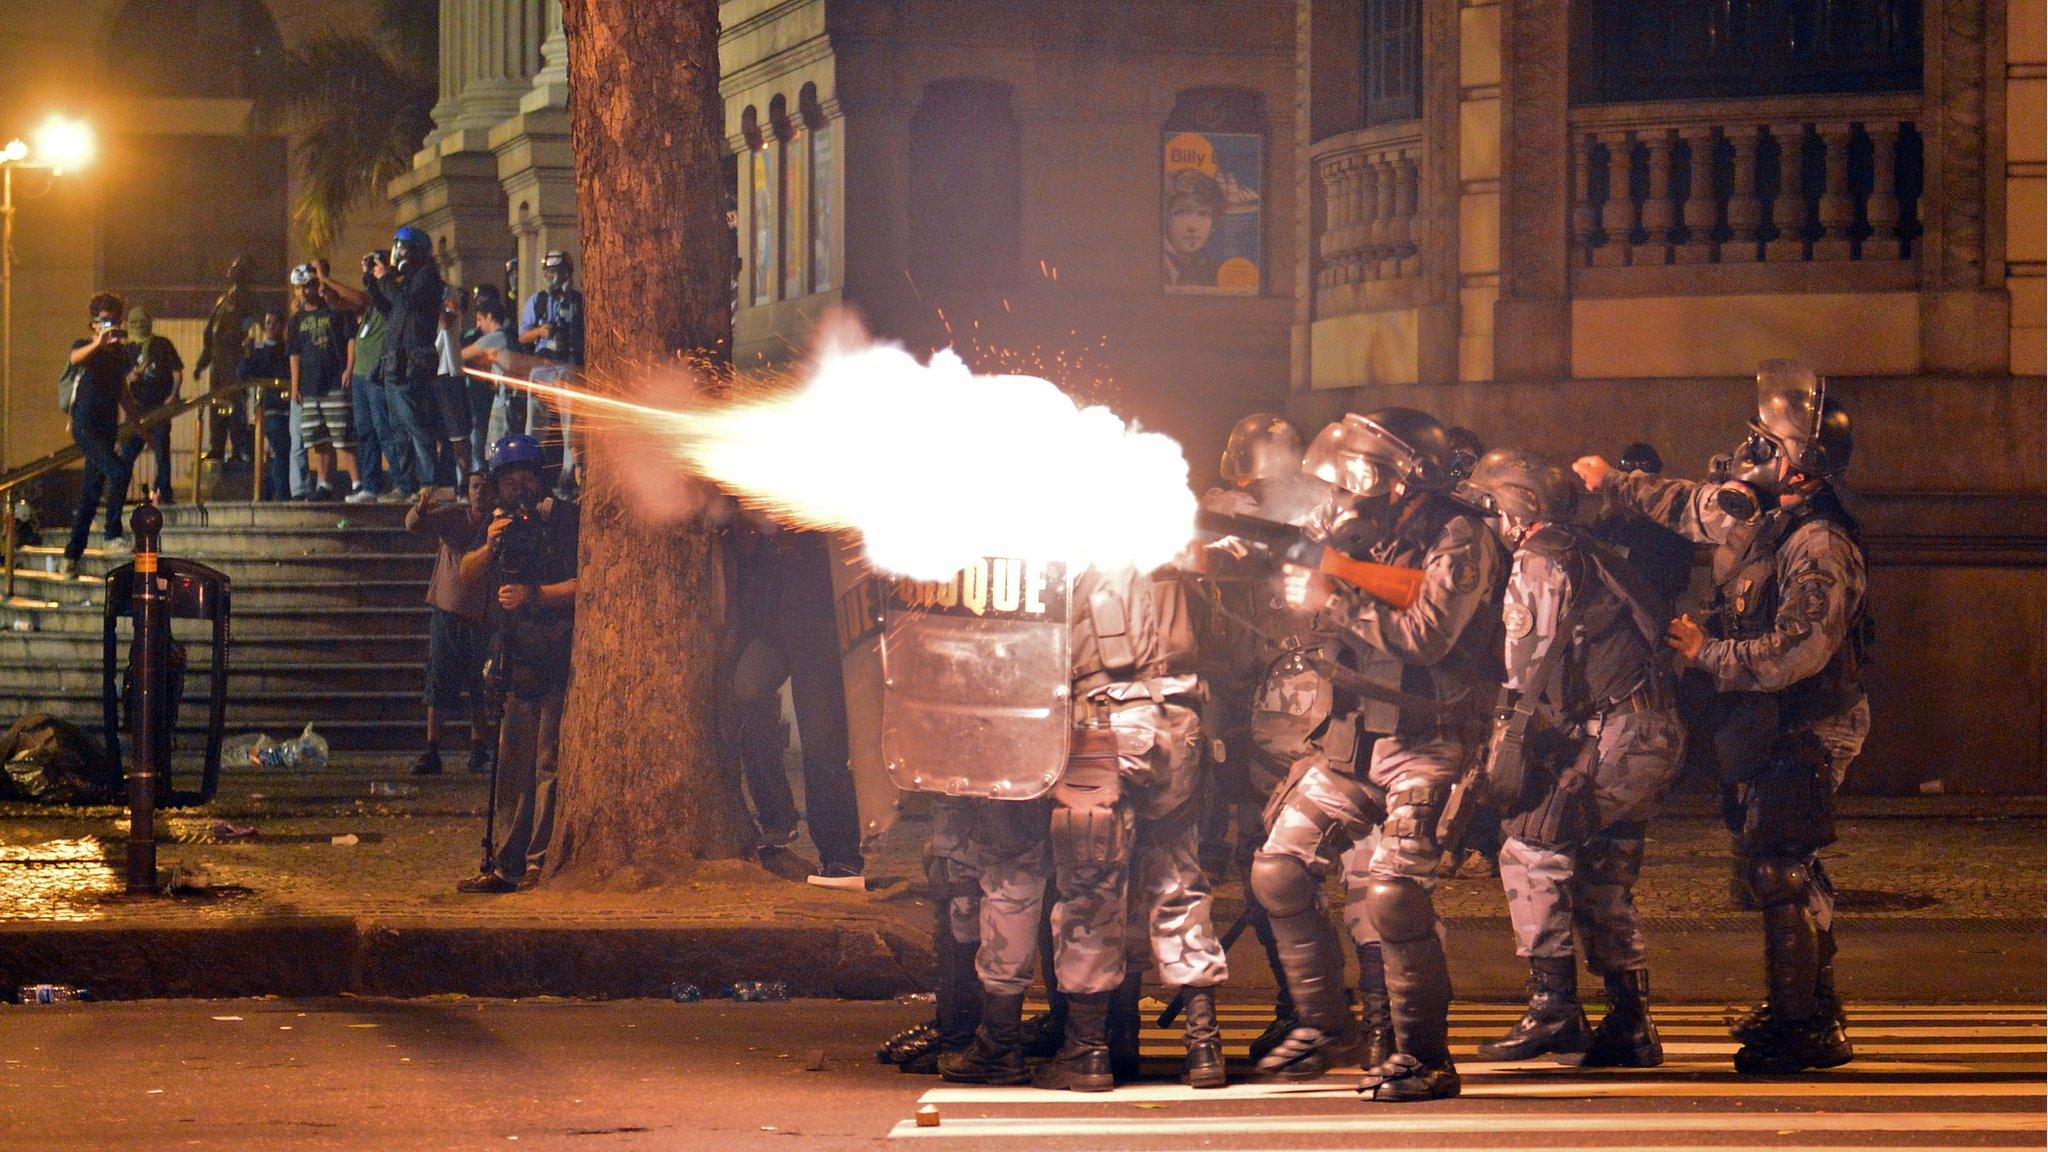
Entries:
{"x":1585,"y":655}
{"x":1784,"y":640}
{"x":1381,"y":805}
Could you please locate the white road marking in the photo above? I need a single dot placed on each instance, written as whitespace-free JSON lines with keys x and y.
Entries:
{"x":1340,"y":1087}
{"x":1407,"y":1123}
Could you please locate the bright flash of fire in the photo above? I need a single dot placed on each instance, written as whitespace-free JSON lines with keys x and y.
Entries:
{"x":934,"y":465}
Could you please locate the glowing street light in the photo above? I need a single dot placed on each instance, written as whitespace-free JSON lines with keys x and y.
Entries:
{"x":62,"y":143}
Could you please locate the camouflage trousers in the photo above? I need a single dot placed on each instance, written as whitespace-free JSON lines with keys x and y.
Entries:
{"x":1105,"y":912}
{"x":987,"y":865}
{"x":1322,"y":814}
{"x":1587,"y":889}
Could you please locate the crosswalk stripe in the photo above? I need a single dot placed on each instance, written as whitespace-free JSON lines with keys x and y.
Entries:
{"x":1725,"y":1046}
{"x":1864,"y":1065}
{"x":1340,"y":1087}
{"x":1408,"y":1124}
{"x":2037,"y":1019}
{"x":1858,"y":1029}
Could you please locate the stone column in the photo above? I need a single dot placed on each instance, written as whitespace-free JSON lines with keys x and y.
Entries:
{"x":1532,"y":322}
{"x":1964,"y":312}
{"x":536,"y":167}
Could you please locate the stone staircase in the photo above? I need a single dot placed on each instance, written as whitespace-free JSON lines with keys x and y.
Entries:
{"x":329,"y":625}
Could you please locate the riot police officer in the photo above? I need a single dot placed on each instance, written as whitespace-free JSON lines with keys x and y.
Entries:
{"x":1123,"y":815}
{"x":1783,"y":642}
{"x":1584,"y":655}
{"x":1244,"y":626}
{"x":1395,"y":464}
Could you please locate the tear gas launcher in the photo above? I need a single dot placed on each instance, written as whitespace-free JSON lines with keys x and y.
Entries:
{"x":1391,"y":583}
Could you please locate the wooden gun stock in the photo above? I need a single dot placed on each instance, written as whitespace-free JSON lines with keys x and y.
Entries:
{"x":1395,"y":585}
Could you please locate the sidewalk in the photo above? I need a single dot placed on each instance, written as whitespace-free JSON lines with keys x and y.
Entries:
{"x":1943,"y":899}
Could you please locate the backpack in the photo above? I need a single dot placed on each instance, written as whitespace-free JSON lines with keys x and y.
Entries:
{"x":67,"y":388}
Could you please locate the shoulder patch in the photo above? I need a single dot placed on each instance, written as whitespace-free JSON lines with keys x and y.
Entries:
{"x":1517,"y":620}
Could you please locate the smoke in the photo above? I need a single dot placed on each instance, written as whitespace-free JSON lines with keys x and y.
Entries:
{"x":934,"y":465}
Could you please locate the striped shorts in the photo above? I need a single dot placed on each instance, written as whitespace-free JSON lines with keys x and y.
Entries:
{"x":323,"y":420}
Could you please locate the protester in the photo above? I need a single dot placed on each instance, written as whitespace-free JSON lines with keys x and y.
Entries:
{"x":376,"y":441}
{"x":225,"y":343}
{"x":152,"y":383}
{"x":451,"y":392}
{"x":458,"y":636}
{"x":529,"y":559}
{"x":102,"y":361}
{"x":553,"y":324}
{"x":318,"y":345}
{"x":269,"y":369}
{"x":483,"y":394}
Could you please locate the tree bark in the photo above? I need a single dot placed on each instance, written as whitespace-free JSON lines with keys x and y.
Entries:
{"x":642,"y":791}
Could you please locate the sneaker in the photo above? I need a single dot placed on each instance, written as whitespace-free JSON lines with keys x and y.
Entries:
{"x":360,"y":496}
{"x":844,"y":877}
{"x":487,"y":884}
{"x":529,"y":880}
{"x":117,"y":546}
{"x":322,"y":495}
{"x":429,"y":763}
{"x":772,"y":840}
{"x":393,"y":496}
{"x":69,"y":569}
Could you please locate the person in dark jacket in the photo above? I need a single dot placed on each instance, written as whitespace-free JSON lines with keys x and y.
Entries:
{"x":408,"y":290}
{"x":103,"y":361}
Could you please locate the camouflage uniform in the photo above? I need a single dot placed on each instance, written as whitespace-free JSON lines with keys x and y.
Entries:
{"x":1571,"y":857}
{"x":1448,"y":646}
{"x":986,"y":865}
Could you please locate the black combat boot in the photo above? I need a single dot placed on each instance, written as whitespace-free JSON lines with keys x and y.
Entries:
{"x":1324,"y":1035}
{"x":1795,"y":1034}
{"x":1555,"y":1024}
{"x":1827,"y":1001}
{"x":1285,"y":1019}
{"x":1626,"y":1037}
{"x":1082,"y":1064}
{"x":902,"y":1046}
{"x":1419,"y":998}
{"x":996,"y":1055}
{"x":1045,"y":1031}
{"x":1377,"y":1023}
{"x":1205,"y":1040}
{"x":1124,"y":1026}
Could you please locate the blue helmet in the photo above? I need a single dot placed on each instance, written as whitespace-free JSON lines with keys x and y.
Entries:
{"x":515,"y":450}
{"x":411,"y":239}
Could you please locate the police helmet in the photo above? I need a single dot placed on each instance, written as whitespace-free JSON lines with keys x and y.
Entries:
{"x":1641,"y":456}
{"x":1368,"y":455}
{"x":411,"y":240}
{"x":1522,"y":487}
{"x":557,"y":263}
{"x":303,"y":275}
{"x":514,"y":451}
{"x":1261,"y":447}
{"x":1466,"y":449}
{"x":1795,"y":417}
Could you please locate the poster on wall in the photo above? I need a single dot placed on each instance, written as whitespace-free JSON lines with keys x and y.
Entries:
{"x":1212,"y":209}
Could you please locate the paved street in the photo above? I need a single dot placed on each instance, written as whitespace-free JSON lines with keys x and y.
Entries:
{"x":450,"y":1073}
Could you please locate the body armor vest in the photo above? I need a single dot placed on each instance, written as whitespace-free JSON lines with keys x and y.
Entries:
{"x":1130,"y":626}
{"x":1610,"y":655}
{"x":1471,"y":671}
{"x":1747,"y":596}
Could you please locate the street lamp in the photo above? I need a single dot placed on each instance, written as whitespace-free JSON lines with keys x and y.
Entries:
{"x":61,"y":144}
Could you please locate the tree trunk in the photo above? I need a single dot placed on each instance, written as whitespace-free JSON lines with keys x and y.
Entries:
{"x":642,"y":791}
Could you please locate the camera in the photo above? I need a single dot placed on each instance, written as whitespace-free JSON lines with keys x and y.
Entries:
{"x":519,"y":546}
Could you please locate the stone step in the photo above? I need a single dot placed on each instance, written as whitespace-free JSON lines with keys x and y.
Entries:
{"x":246,"y":709}
{"x":320,"y":590}
{"x":205,"y":544}
{"x":295,"y":514}
{"x":76,"y":675}
{"x":345,"y":735}
{"x":363,"y":564}
{"x":341,"y":621}
{"x":395,"y":647}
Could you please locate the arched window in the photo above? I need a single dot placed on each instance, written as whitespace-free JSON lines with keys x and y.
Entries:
{"x":760,"y":210}
{"x":1212,"y":193}
{"x":792,"y":212}
{"x":964,"y":204}
{"x":823,"y":223}
{"x":1625,"y":51}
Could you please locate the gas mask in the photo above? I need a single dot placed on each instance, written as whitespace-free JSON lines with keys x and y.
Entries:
{"x":1368,"y":524}
{"x":1743,"y":480}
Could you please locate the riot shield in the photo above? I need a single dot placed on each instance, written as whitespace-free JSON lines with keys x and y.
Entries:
{"x":876,"y":797}
{"x":959,"y":686}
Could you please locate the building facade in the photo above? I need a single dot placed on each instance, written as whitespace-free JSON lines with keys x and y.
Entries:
{"x":1569,"y":224}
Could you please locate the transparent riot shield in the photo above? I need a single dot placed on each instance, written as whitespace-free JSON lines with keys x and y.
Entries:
{"x":854,"y":590}
{"x":960,"y":686}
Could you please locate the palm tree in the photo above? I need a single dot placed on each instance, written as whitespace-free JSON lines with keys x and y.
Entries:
{"x":358,"y":106}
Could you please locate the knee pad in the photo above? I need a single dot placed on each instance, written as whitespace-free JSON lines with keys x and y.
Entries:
{"x":1283,"y":885}
{"x":1777,"y":880}
{"x":1612,"y":860}
{"x":1400,"y":909}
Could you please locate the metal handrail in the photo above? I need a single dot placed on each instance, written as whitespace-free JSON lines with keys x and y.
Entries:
{"x":72,"y":453}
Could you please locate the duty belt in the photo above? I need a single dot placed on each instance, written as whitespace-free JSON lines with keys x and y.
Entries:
{"x":1648,"y":696}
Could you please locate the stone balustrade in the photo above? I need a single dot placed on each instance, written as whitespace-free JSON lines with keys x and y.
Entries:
{"x":1819,"y":180}
{"x":1369,"y":185}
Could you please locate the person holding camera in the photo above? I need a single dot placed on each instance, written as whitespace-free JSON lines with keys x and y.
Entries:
{"x":529,"y":558}
{"x":153,"y":382}
{"x":268,"y":370}
{"x":318,"y":345}
{"x":407,"y":289}
{"x":457,"y":637}
{"x":552,"y":325}
{"x":102,"y":362}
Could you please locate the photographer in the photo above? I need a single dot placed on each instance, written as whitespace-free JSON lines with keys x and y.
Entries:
{"x":152,"y":383}
{"x":407,"y":289}
{"x":529,"y":557}
{"x":552,"y":324}
{"x":103,"y":361}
